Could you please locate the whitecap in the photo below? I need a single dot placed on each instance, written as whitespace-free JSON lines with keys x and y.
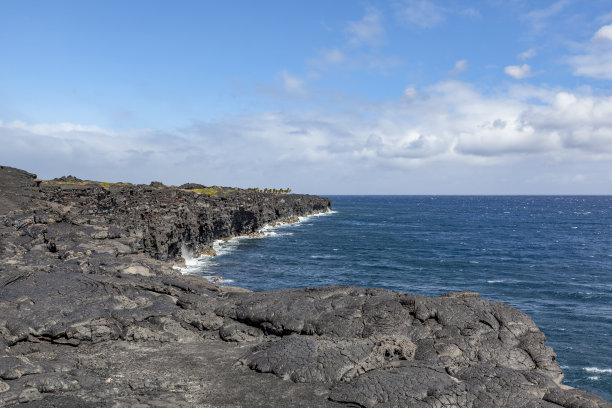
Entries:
{"x":598,"y":370}
{"x":496,"y":281}
{"x":593,"y":378}
{"x":319,"y":214}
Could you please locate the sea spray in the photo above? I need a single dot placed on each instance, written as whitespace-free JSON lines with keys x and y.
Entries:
{"x":203,"y":263}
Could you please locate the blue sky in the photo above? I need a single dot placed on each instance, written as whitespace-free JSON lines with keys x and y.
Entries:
{"x":328,"y":97}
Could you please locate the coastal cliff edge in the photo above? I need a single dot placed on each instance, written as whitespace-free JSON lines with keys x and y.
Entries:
{"x":92,"y":314}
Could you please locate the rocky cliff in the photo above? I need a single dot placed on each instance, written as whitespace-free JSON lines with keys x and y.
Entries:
{"x":163,"y":220}
{"x":92,"y":314}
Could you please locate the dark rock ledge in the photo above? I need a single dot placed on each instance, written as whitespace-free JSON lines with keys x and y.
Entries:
{"x":93,"y":315}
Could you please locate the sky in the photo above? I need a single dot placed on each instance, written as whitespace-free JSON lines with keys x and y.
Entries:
{"x":324,"y":97}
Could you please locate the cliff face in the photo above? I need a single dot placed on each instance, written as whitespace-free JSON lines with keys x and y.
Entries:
{"x":165,"y":219}
{"x":92,"y":316}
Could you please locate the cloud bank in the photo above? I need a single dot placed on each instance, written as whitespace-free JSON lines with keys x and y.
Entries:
{"x":448,"y":124}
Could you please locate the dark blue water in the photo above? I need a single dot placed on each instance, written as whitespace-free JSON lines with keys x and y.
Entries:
{"x":551,"y":257}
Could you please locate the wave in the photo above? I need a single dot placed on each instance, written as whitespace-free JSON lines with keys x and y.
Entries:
{"x":598,"y":370}
{"x":224,"y":246}
{"x":319,"y":214}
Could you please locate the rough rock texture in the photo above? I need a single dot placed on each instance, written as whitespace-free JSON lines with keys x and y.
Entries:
{"x":161,"y":221}
{"x":92,"y":315}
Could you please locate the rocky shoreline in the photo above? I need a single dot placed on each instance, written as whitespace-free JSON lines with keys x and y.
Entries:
{"x":92,"y":314}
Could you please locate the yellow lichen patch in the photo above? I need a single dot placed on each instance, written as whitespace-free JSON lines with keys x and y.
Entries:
{"x":103,"y":184}
{"x":207,"y":191}
{"x":107,"y":185}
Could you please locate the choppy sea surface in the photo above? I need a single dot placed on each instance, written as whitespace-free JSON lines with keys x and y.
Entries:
{"x":550,"y":257}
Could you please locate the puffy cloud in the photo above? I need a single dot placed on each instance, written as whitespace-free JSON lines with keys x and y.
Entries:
{"x":581,"y":123}
{"x":459,"y":67}
{"x":367,"y":31}
{"x":604,"y":33}
{"x":596,"y":61}
{"x":518,"y":71}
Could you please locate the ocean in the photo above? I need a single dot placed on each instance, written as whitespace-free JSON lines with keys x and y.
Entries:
{"x":549,"y":256}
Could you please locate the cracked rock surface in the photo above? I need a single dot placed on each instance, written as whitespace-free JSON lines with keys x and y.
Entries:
{"x":93,"y":315}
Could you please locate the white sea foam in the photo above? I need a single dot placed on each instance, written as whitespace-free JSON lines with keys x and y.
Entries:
{"x":224,"y":246}
{"x":496,"y":281}
{"x":598,"y":370}
{"x":324,"y":256}
{"x":593,"y":378}
{"x":192,"y":264}
{"x":307,"y":217}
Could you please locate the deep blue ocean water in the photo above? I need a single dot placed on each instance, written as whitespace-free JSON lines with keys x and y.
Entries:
{"x":550,"y":257}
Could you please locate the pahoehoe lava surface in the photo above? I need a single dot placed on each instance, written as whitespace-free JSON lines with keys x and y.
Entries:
{"x":93,"y":314}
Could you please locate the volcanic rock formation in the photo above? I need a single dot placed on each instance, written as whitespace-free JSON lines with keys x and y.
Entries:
{"x":92,"y":314}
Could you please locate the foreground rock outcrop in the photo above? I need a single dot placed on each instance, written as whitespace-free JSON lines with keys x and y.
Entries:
{"x":93,"y":314}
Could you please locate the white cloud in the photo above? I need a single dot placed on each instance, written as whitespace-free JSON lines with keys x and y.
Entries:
{"x":410,"y":92}
{"x":61,"y":128}
{"x":518,"y":71}
{"x":604,"y":33}
{"x":450,"y":125}
{"x":539,"y":18}
{"x":367,"y":31}
{"x":459,"y":67}
{"x":593,"y":65}
{"x":596,"y":59}
{"x":333,"y":56}
{"x":530,"y":53}
{"x":421,"y":13}
{"x":292,"y":83}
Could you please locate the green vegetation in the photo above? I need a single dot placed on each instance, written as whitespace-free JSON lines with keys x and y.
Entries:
{"x":107,"y":185}
{"x":208,"y":191}
{"x":103,"y":184}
